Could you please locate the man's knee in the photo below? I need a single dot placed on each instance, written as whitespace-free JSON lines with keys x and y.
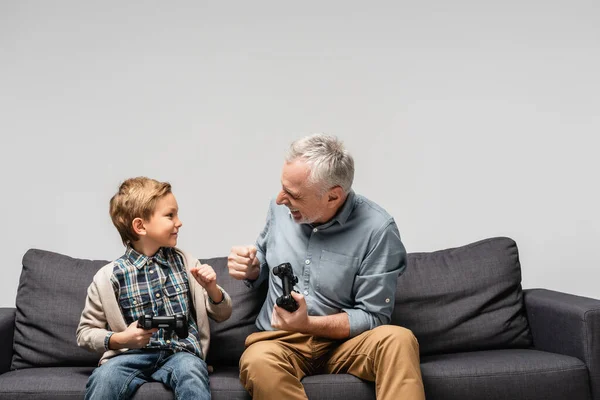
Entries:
{"x":261,"y":353}
{"x":261,"y":362}
{"x":396,"y":335}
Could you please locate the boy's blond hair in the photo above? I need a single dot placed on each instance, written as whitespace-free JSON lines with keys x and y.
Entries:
{"x":136,"y":198}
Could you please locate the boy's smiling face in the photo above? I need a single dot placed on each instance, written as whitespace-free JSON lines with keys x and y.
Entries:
{"x":162,"y":228}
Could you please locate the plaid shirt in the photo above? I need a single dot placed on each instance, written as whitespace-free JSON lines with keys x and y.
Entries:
{"x":156,"y":285}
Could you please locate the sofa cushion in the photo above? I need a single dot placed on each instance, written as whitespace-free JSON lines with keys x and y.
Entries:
{"x":465,"y":298}
{"x":50,"y":298}
{"x":228,"y":337}
{"x":504,"y":374}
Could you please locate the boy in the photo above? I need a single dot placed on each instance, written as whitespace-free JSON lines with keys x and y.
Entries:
{"x":151,"y":278}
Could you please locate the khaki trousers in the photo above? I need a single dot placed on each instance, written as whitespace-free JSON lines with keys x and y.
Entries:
{"x":274,"y":362}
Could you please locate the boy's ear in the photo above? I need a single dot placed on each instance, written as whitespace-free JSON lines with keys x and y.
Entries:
{"x":138,"y":226}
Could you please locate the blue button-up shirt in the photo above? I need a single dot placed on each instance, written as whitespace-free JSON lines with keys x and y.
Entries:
{"x":349,"y":264}
{"x":156,"y":285}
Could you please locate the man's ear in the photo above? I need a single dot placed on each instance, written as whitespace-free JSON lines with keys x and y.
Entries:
{"x":335,"y":197}
{"x":138,"y":226}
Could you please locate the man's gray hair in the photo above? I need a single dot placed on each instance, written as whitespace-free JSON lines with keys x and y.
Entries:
{"x":330,"y":163}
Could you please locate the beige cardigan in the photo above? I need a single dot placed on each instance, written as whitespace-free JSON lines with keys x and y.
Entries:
{"x":102,"y":310}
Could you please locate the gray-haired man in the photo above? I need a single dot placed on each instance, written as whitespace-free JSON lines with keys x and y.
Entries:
{"x":347,"y":254}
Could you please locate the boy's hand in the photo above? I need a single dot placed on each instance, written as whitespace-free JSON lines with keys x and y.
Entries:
{"x":131,"y":338}
{"x":243,"y":263}
{"x":205,"y":275}
{"x":207,"y":278}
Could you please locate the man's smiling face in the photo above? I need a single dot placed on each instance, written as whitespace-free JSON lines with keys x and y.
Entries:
{"x":306,"y":202}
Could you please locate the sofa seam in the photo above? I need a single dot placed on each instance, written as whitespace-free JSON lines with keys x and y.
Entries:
{"x":510,"y":373}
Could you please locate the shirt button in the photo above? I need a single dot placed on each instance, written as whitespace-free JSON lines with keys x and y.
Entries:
{"x":315,"y":230}
{"x":151,"y":271}
{"x":306,"y":292}
{"x":387,"y":300}
{"x":307,"y":262}
{"x":157,"y":294}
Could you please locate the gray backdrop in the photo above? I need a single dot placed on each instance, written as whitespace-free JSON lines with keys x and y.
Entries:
{"x":467,"y":119}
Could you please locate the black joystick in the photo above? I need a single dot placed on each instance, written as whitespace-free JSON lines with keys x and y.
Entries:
{"x":176,"y":323}
{"x":288,"y":279}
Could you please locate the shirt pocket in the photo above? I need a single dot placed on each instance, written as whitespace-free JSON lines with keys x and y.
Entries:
{"x":335,"y":278}
{"x":176,"y":294}
{"x":136,"y":305}
{"x":175,"y":289}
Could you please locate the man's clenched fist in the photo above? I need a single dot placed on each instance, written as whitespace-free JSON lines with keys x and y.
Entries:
{"x":242,"y":263}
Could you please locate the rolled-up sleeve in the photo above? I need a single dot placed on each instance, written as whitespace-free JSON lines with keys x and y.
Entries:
{"x":375,"y":284}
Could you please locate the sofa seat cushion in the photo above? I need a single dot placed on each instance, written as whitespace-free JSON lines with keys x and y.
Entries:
{"x":225,"y":384}
{"x":464,"y":299}
{"x":496,"y":374}
{"x":504,"y":374}
{"x":55,"y":383}
{"x":45,"y":383}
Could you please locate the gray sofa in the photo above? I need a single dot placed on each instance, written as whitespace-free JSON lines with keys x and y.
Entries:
{"x":480,"y":335}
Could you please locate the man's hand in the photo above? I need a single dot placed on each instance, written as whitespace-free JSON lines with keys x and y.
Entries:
{"x":207,"y":278}
{"x":243,"y":263}
{"x":131,"y":338}
{"x":296,"y":321}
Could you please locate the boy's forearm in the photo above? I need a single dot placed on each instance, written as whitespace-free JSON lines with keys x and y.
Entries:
{"x":215,"y":294}
{"x":114,"y":343}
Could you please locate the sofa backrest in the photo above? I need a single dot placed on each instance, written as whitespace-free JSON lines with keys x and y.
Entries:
{"x":467,"y":298}
{"x":464,"y":299}
{"x":50,"y":298}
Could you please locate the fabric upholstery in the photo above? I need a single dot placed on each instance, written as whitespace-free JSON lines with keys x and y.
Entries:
{"x":504,"y":374}
{"x":51,"y":295}
{"x":464,"y":299}
{"x":493,"y":375}
{"x":567,"y":324}
{"x":7,"y":329}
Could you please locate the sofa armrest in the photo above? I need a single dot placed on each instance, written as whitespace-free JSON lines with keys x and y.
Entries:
{"x":7,"y":330}
{"x":566,"y":324}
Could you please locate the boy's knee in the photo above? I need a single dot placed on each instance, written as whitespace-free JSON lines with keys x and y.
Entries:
{"x":188,"y":366}
{"x":101,"y":375}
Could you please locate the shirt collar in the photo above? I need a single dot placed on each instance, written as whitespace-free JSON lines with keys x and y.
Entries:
{"x":344,"y":213}
{"x":139,"y":260}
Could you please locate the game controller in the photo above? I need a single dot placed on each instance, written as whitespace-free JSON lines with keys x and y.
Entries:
{"x":176,"y":323}
{"x":288,"y":279}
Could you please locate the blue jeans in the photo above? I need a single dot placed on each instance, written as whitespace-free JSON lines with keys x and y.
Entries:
{"x":118,"y":378}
